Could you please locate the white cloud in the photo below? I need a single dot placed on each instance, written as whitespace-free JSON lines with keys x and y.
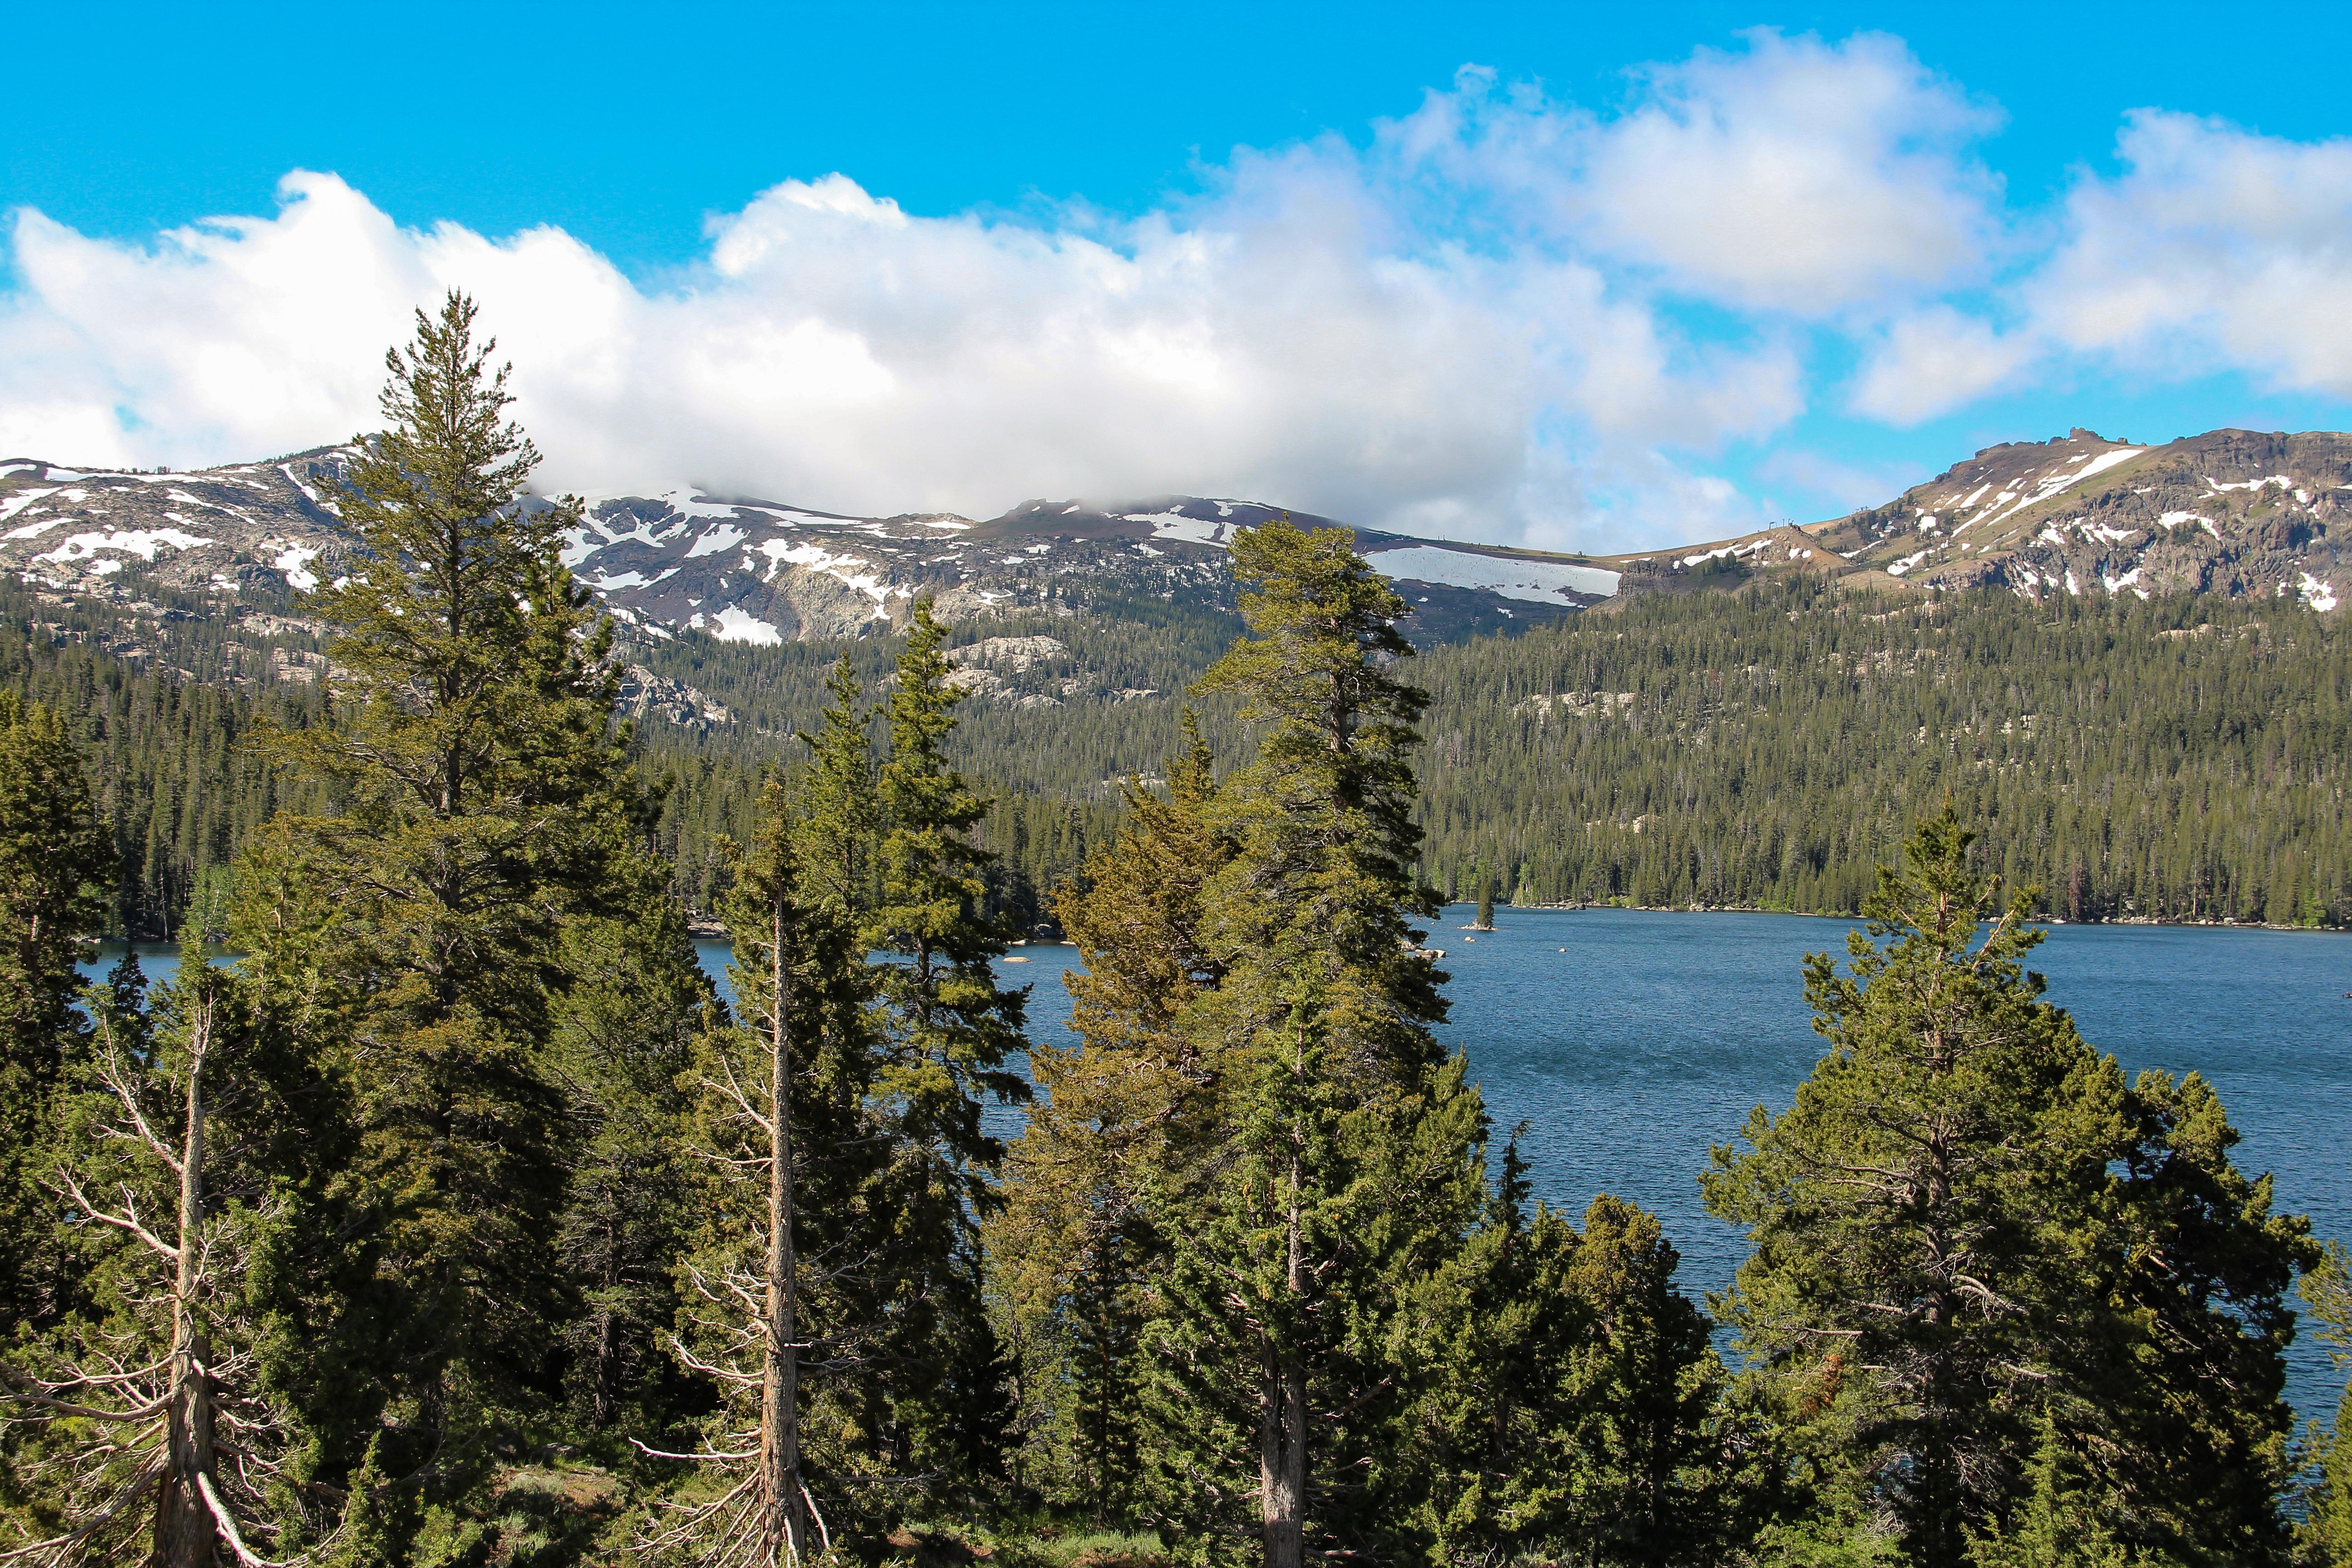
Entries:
{"x":1935,"y":361}
{"x":1285,"y":335}
{"x":1799,"y":175}
{"x":1791,"y":175}
{"x":221,"y":335}
{"x":2216,"y":249}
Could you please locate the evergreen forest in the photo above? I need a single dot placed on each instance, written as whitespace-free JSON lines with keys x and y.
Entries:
{"x":2181,"y":759}
{"x":453,"y":1217}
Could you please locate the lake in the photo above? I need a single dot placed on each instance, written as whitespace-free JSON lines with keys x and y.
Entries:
{"x":1631,"y":1041}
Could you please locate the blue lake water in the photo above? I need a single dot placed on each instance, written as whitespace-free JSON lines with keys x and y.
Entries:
{"x":1630,"y":1042}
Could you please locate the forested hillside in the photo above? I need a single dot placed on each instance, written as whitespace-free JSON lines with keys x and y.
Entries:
{"x":164,"y":710}
{"x":2178,"y":759}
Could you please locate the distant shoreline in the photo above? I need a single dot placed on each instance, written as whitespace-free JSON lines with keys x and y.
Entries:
{"x":709,"y":930}
{"x":1853,"y":919}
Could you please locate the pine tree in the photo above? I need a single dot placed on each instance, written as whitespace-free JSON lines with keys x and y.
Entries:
{"x":623,"y":1035}
{"x":56,"y":867}
{"x":949,"y":1029}
{"x":1910,"y":1213}
{"x":1970,"y":1232}
{"x":486,"y":801}
{"x":1648,"y":1383}
{"x":2176,"y":1395}
{"x":840,"y":823}
{"x":2325,"y":1539}
{"x":745,"y":1322}
{"x":1568,"y":1401}
{"x":1137,"y":910}
{"x":2061,"y":1522}
{"x":1347,"y":1168}
{"x":1489,"y":1462}
{"x":1485,"y":898}
{"x":1076,"y":1250}
{"x":868,"y":1276}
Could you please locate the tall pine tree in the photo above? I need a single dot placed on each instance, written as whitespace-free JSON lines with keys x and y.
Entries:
{"x":948,"y":1029}
{"x":1347,"y":1164}
{"x":485,"y":800}
{"x":1078,"y":1250}
{"x":745,"y":1323}
{"x":1973,"y":1239}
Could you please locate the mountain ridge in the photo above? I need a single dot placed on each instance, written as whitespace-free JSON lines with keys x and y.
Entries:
{"x":2236,"y":512}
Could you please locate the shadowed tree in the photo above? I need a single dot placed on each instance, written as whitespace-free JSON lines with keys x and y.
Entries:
{"x":55,"y":864}
{"x":1346,"y":1166}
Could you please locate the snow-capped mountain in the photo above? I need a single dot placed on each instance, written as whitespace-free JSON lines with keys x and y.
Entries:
{"x":757,"y":571}
{"x":2232,"y":512}
{"x":743,"y":571}
{"x":210,"y":532}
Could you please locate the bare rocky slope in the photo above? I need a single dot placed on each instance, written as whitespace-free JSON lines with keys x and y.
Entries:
{"x":2236,"y":512}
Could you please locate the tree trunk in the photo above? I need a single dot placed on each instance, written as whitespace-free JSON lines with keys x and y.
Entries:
{"x":1282,"y":1424}
{"x":1282,"y":1464}
{"x":779,"y":1432}
{"x":185,"y":1530}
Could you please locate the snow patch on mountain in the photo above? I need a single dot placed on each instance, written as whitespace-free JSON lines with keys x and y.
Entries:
{"x":141,"y":543}
{"x":1188,"y":530}
{"x":717,"y":540}
{"x":1540,"y":581}
{"x":292,"y":560}
{"x":735,"y":624}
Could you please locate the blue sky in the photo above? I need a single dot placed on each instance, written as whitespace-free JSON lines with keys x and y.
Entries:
{"x":1645,"y":273}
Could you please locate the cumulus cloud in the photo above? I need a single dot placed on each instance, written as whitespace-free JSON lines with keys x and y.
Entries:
{"x":1438,"y":329}
{"x":2215,"y":248}
{"x":1799,"y":175}
{"x":1791,"y":175}
{"x":1934,"y":360}
{"x":1274,"y":338}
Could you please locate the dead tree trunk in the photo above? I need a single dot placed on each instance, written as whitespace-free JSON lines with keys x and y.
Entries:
{"x":185,"y":1533}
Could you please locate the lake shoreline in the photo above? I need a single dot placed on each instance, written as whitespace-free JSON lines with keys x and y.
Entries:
{"x":1851,"y":918}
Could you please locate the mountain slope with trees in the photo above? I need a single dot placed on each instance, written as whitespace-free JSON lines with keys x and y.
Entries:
{"x":2179,"y":759}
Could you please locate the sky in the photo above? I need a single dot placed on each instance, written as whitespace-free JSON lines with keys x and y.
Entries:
{"x":1576,"y":277}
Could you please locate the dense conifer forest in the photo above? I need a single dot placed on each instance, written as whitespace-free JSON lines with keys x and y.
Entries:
{"x":2182,"y":759}
{"x":2179,"y":759}
{"x":457,"y":1220}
